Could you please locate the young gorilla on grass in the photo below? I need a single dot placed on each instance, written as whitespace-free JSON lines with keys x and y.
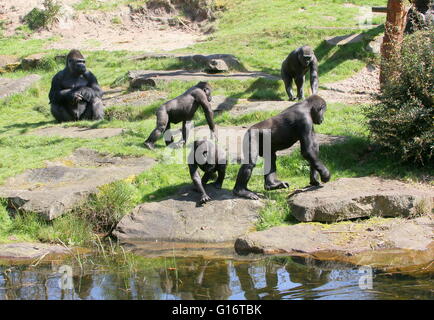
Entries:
{"x":182,"y":108}
{"x":291,"y":125}
{"x":295,"y":66}
{"x":75,"y":93}
{"x":211,"y":159}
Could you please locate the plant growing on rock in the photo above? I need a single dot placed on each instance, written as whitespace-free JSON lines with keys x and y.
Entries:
{"x":402,"y":123}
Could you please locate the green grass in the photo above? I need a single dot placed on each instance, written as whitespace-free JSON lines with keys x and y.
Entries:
{"x":261,"y":34}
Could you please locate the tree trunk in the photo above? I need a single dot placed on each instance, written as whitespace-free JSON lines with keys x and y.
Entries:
{"x":393,"y":35}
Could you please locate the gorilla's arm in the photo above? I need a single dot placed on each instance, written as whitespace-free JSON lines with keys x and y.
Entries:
{"x":194,"y":174}
{"x":93,"y":83}
{"x":201,"y":98}
{"x":309,"y":151}
{"x":58,"y":94}
{"x":314,"y":75}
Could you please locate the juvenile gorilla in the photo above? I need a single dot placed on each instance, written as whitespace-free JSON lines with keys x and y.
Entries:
{"x":208,"y":157}
{"x":295,"y":66}
{"x":182,"y":108}
{"x":75,"y":93}
{"x":291,"y":125}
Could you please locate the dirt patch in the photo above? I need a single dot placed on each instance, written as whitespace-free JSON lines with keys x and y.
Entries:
{"x":121,"y":29}
{"x":360,"y":88}
{"x":76,"y":132}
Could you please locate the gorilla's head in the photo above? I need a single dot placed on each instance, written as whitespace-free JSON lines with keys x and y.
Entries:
{"x":305,"y":55}
{"x":75,"y":62}
{"x":318,"y":108}
{"x":206,"y":88}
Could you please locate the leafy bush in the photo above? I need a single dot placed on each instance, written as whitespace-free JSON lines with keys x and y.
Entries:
{"x":43,"y":18}
{"x":403,"y":121}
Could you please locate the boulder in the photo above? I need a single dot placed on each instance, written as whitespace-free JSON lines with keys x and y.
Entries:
{"x":8,"y":63}
{"x":374,"y":46}
{"x":212,"y":63}
{"x":350,"y":198}
{"x":386,"y":243}
{"x":179,"y":218}
{"x":32,"y":61}
{"x":12,"y":86}
{"x":57,"y":188}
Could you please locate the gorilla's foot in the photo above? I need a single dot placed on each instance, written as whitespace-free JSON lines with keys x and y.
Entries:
{"x":149,"y":145}
{"x":314,"y":183}
{"x":245,"y":193}
{"x":276,"y":185}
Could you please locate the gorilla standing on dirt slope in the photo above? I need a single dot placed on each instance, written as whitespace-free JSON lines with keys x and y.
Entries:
{"x":75,"y":93}
{"x":182,"y":108}
{"x":295,"y":66}
{"x":291,"y":125}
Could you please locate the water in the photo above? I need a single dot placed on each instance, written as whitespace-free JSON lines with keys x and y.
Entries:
{"x":278,"y":278}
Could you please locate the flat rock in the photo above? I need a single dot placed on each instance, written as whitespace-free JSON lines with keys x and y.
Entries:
{"x":57,"y":188}
{"x":29,"y":251}
{"x":350,"y":198}
{"x":385,"y":243}
{"x":346,"y":39}
{"x":12,"y":86}
{"x":138,"y":78}
{"x":179,"y":218}
{"x":77,"y":132}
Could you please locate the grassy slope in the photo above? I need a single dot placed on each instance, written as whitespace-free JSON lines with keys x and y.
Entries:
{"x":261,"y":34}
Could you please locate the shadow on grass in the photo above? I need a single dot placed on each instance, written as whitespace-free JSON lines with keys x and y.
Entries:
{"x":357,"y":157}
{"x":345,"y":52}
{"x":26,"y":126}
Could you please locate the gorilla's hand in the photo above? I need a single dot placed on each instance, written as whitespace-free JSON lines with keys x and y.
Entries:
{"x":87,"y":93}
{"x":204,"y":198}
{"x":77,"y":97}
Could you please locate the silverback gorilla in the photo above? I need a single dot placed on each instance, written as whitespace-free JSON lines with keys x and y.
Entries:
{"x":182,"y":108}
{"x":207,"y":156}
{"x":291,"y":125}
{"x":75,"y":93}
{"x":295,"y":66}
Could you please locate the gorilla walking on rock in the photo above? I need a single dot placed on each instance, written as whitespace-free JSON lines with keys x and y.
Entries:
{"x":291,"y":125}
{"x":182,"y":109}
{"x":75,"y":93}
{"x":295,"y":66}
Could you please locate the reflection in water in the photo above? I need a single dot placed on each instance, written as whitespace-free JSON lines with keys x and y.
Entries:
{"x":196,"y":278}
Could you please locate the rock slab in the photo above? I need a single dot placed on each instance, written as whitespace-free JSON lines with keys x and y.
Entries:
{"x":12,"y":86}
{"x":350,"y":198}
{"x":391,"y":243}
{"x":28,"y":251}
{"x":179,"y":218}
{"x":57,"y":188}
{"x":137,"y":78}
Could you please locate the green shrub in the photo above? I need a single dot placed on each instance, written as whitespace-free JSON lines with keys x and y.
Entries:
{"x":105,"y":209}
{"x":42,"y":18}
{"x":403,"y":121}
